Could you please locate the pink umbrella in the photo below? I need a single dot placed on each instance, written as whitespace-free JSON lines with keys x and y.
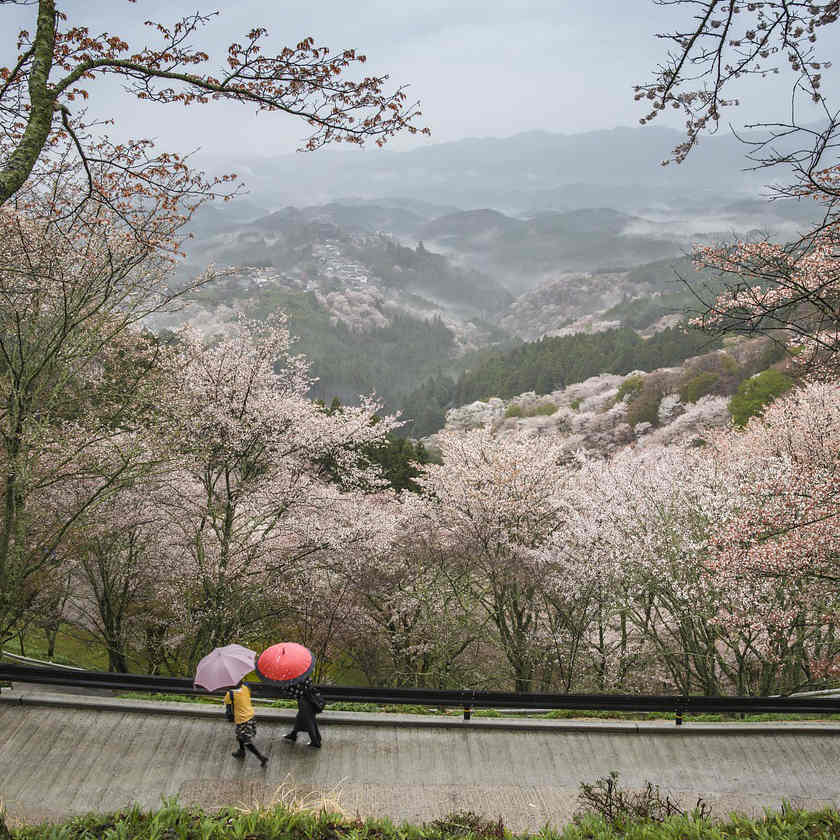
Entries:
{"x":224,"y":667}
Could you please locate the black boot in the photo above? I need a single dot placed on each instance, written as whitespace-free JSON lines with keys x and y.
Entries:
{"x":240,"y":753}
{"x":263,"y":758}
{"x":292,"y":736}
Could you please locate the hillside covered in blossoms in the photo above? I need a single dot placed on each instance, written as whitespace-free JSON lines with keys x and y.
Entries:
{"x":531,"y":413}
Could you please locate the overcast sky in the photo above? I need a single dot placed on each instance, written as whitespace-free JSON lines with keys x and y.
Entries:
{"x":480,"y":68}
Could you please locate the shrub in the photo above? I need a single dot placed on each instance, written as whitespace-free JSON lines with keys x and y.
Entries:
{"x":714,"y":373}
{"x":575,"y":403}
{"x":630,"y":387}
{"x":756,"y":393}
{"x":727,"y":363}
{"x":698,"y":386}
{"x":545,"y":409}
{"x":644,"y":407}
{"x":617,"y":806}
{"x":469,"y":824}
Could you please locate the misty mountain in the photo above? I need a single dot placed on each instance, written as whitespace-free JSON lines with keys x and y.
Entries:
{"x":585,"y":269}
{"x":331,"y":250}
{"x":524,"y":253}
{"x":648,"y":298}
{"x":464,"y":227}
{"x":618,"y":168}
{"x":210,"y":219}
{"x":361,"y":217}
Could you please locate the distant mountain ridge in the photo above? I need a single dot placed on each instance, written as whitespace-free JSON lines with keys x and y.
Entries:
{"x":619,"y":167}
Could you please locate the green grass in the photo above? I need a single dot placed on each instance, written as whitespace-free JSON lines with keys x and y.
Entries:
{"x":296,"y":819}
{"x":73,"y":647}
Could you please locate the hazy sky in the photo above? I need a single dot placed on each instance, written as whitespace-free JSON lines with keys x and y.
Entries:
{"x":480,"y":67}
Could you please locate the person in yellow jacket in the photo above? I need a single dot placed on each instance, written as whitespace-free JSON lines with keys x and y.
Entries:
{"x":239,"y":710}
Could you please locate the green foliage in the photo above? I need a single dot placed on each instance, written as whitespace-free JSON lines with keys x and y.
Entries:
{"x":645,"y":408}
{"x":698,"y":386}
{"x":545,"y":409}
{"x":630,"y":387}
{"x":400,"y":460}
{"x":73,"y":646}
{"x":574,"y":358}
{"x":469,"y":824}
{"x":311,"y":818}
{"x":755,"y":393}
{"x":388,"y":360}
{"x":714,"y":373}
{"x":542,"y":409}
{"x":644,"y":405}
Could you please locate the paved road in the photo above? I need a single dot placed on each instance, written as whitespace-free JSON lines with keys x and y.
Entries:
{"x":65,"y":755}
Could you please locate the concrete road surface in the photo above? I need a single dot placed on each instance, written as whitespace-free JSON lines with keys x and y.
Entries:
{"x":68,"y":755}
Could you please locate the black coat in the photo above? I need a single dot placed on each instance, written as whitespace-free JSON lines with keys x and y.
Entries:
{"x":306,"y":721}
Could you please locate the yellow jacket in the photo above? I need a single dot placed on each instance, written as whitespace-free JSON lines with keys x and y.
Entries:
{"x":241,"y":699}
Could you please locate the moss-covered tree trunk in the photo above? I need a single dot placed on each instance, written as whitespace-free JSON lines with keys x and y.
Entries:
{"x":41,"y":100}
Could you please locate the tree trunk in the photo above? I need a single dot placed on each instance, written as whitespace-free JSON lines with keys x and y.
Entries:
{"x":117,"y":662}
{"x":51,"y":633}
{"x":21,"y":161}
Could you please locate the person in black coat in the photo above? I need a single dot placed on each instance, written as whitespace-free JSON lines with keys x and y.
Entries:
{"x":310,"y":704}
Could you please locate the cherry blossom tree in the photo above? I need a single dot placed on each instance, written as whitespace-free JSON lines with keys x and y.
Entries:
{"x":266,"y":480}
{"x":790,"y":292}
{"x":415,"y":623}
{"x":658,"y":508}
{"x":785,"y":291}
{"x":650,"y":523}
{"x":117,"y":563}
{"x":76,"y":373}
{"x":787,"y":523}
{"x":43,"y":90}
{"x":495,"y":502}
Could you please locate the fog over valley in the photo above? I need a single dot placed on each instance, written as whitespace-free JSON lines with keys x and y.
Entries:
{"x":415,"y":263}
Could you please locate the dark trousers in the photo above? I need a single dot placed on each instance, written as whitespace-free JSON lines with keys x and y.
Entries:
{"x":305,"y":721}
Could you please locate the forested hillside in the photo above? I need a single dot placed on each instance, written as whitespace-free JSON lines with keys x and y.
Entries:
{"x":671,"y":286}
{"x":387,"y":359}
{"x":549,"y":364}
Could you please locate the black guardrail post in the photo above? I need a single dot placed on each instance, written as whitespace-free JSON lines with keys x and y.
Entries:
{"x":679,"y":709}
{"x":467,"y":698}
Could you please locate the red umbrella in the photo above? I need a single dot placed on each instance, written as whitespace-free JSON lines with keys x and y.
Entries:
{"x":285,"y":664}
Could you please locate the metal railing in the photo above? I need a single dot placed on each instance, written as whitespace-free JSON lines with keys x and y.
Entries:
{"x":28,"y":660}
{"x":466,"y":699}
